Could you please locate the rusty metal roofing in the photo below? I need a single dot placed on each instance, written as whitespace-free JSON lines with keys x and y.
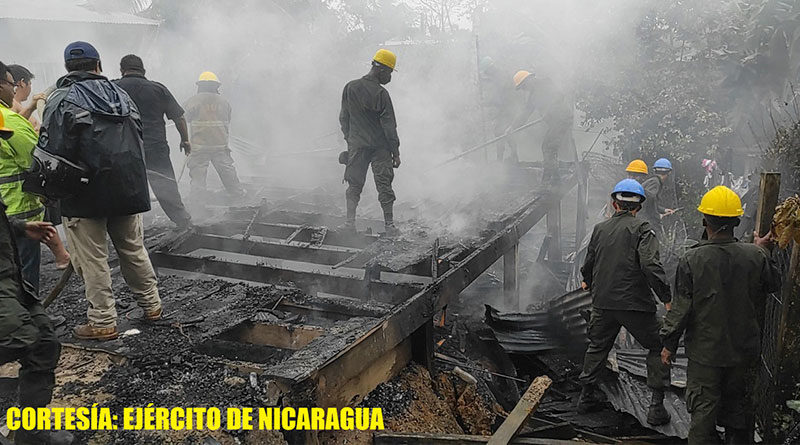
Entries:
{"x":66,"y":11}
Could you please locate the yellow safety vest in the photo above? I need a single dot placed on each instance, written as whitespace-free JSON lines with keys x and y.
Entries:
{"x":16,"y":155}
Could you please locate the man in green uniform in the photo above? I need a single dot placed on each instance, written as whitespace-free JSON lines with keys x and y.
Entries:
{"x":496,"y":99}
{"x":15,"y":158}
{"x":622,"y":266}
{"x":370,"y":129}
{"x":653,"y":210}
{"x":209,"y":117}
{"x":557,"y":113}
{"x":26,"y":333}
{"x":719,"y":284}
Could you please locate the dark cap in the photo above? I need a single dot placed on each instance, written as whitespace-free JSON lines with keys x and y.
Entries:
{"x":131,"y":62}
{"x":80,"y":50}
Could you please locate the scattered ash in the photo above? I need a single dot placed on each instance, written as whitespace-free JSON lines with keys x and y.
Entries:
{"x":393,"y":397}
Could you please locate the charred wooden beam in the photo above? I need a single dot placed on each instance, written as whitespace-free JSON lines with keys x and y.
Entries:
{"x":410,"y":315}
{"x":326,"y":255}
{"x":310,"y":281}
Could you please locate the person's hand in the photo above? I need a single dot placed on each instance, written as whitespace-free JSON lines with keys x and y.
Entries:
{"x":666,"y":356}
{"x":39,"y":96}
{"x":668,"y":306}
{"x":186,"y":146}
{"x":763,"y":241}
{"x":40,"y":231}
{"x":584,"y":286}
{"x":396,"y":161}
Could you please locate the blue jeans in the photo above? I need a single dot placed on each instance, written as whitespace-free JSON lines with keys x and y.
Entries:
{"x":30,"y":256}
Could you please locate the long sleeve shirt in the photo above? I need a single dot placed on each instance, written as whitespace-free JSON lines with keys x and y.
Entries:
{"x":622,"y":265}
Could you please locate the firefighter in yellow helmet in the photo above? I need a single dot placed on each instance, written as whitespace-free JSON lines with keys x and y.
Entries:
{"x":543,"y":94}
{"x":208,"y":114}
{"x":370,"y":130}
{"x":718,"y":286}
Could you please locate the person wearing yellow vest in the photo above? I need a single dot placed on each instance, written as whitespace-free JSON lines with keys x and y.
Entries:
{"x":15,"y":158}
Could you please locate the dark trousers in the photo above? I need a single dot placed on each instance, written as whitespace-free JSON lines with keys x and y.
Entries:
{"x":718,"y":396}
{"x":558,"y":134}
{"x":222,"y":161}
{"x":162,"y":180}
{"x":604,"y":327}
{"x":355,"y":174}
{"x":30,"y":257}
{"x":38,"y":353}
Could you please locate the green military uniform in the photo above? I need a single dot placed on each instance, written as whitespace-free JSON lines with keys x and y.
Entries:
{"x":718,"y":287}
{"x":622,"y":266}
{"x":209,"y":118}
{"x":26,"y":333}
{"x":557,"y":114}
{"x":370,"y":129}
{"x":652,"y":208}
{"x":497,"y":99}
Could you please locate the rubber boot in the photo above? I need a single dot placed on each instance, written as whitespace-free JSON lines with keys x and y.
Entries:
{"x":657,"y":414}
{"x":24,"y":437}
{"x":349,"y":225}
{"x":591,"y":399}
{"x":737,"y":436}
{"x":388,"y":218}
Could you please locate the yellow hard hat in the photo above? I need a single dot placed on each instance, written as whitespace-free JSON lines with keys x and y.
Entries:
{"x":208,"y":76}
{"x":5,"y":133}
{"x":637,"y":166}
{"x":385,"y":57}
{"x":520,"y":77}
{"x":721,"y":201}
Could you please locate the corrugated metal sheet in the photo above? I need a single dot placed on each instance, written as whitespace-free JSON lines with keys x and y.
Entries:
{"x":65,"y":11}
{"x":567,"y":314}
{"x":635,"y":362}
{"x":630,"y":394}
{"x":520,"y":333}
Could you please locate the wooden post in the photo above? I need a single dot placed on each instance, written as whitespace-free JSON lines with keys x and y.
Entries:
{"x":554,"y":232}
{"x":511,"y":278}
{"x":767,"y":201}
{"x":583,"y":207}
{"x":422,"y":345}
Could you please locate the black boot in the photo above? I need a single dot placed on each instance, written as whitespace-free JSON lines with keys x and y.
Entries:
{"x":24,"y":437}
{"x":737,"y":436}
{"x":657,"y":414}
{"x":391,"y":229}
{"x":591,"y":399}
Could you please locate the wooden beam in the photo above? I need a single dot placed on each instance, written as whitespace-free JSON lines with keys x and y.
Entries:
{"x":767,"y":201}
{"x":582,"y":213}
{"x":554,"y":252}
{"x":409,"y":315}
{"x":520,"y":414}
{"x":389,"y":438}
{"x":311,"y":281}
{"x":511,"y":278}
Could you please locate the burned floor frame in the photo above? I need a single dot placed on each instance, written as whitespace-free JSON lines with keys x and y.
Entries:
{"x":277,"y":247}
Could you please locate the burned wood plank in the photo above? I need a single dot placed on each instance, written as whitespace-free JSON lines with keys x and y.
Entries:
{"x":326,"y":255}
{"x":283,"y":231}
{"x":309,"y":281}
{"x":520,"y":414}
{"x":511,"y":278}
{"x":409,"y":315}
{"x":387,"y":438}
